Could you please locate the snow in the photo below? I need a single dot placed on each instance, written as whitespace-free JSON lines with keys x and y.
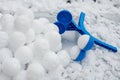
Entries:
{"x":35,"y":71}
{"x":7,"y":23}
{"x":64,"y":57}
{"x":41,"y":47}
{"x":4,"y":54}
{"x":3,"y":39}
{"x":21,"y":76}
{"x":28,"y":36}
{"x":54,"y":39}
{"x":22,"y":23}
{"x":11,"y":67}
{"x":16,"y":40}
{"x":4,"y":77}
{"x":24,"y":54}
{"x":50,"y":61}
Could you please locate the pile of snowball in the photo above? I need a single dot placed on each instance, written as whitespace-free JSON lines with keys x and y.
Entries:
{"x":31,"y":49}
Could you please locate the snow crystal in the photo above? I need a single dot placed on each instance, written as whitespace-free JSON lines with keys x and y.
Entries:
{"x":11,"y":66}
{"x":24,"y":54}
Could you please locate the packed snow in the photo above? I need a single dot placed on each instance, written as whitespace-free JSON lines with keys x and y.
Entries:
{"x":31,"y":47}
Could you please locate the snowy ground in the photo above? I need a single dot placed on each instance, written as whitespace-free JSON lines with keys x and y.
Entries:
{"x":32,"y":49}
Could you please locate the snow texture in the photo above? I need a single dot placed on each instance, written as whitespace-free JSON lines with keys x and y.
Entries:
{"x":28,"y":36}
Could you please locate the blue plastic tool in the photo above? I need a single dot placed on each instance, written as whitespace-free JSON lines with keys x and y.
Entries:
{"x":65,"y":22}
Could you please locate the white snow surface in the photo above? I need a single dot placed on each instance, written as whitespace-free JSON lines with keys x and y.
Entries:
{"x":45,"y":53}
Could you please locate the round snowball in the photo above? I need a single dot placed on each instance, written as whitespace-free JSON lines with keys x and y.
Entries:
{"x":21,"y":76}
{"x":16,"y":40}
{"x":50,"y":61}
{"x":35,"y":71}
{"x":38,"y":26}
{"x":4,"y":77}
{"x":51,"y":27}
{"x":26,"y":12}
{"x":74,"y":52}
{"x":24,"y":54}
{"x":54,"y":39}
{"x":83,"y":41}
{"x":41,"y":47}
{"x":44,"y":20}
{"x":22,"y":23}
{"x":30,"y":36}
{"x":7,"y":22}
{"x":64,"y":57}
{"x":4,"y":54}
{"x":3,"y":39}
{"x":11,"y":67}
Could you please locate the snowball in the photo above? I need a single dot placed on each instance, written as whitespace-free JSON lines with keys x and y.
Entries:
{"x":4,"y":54}
{"x":51,"y":27}
{"x":69,"y":35}
{"x":41,"y":47}
{"x":74,"y":52}
{"x":0,"y":67}
{"x":44,"y":20}
{"x":30,"y":36}
{"x":0,"y":27}
{"x":50,"y":61}
{"x":11,"y":67}
{"x":20,"y":76}
{"x":35,"y":71}
{"x":38,"y":26}
{"x":3,"y":39}
{"x":82,"y":41}
{"x":16,"y":40}
{"x":26,"y":12}
{"x":54,"y":39}
{"x":64,"y":57}
{"x":4,"y":77}
{"x":22,"y":23}
{"x":24,"y":54}
{"x":7,"y":22}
